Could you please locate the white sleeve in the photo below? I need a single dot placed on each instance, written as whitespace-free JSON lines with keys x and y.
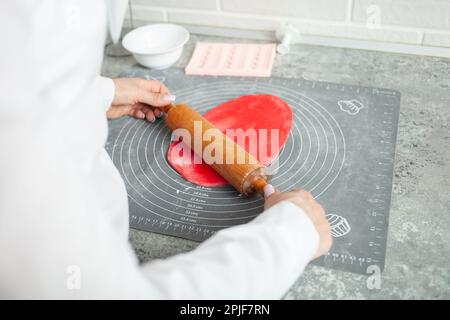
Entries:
{"x":107,"y":89}
{"x":258,"y":260}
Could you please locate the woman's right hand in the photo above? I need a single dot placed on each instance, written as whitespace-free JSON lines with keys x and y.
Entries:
{"x":304,"y":200}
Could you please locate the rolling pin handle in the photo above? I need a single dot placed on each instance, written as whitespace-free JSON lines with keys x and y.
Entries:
{"x":166,"y":109}
{"x":259,"y":185}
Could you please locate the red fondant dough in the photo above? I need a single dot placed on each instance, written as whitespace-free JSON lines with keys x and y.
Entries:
{"x":260,"y":111}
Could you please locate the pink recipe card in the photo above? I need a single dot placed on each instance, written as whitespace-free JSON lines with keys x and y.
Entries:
{"x":228,"y":59}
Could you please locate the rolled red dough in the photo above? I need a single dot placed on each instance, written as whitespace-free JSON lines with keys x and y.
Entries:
{"x":260,"y":111}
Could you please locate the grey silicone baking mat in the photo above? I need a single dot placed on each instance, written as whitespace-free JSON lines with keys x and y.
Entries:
{"x":341,"y":148}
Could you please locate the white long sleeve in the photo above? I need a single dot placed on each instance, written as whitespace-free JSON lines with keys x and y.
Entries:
{"x":259,"y":260}
{"x":63,"y":204}
{"x":107,"y":89}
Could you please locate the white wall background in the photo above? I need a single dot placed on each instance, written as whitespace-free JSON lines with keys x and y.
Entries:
{"x":419,"y":22}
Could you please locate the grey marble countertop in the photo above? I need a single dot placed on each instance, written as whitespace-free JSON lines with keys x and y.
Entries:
{"x":418,"y":247}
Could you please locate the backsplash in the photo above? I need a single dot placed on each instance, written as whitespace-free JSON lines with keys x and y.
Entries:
{"x":419,"y":22}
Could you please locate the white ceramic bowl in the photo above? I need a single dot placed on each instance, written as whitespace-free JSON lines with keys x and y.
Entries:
{"x":156,"y":46}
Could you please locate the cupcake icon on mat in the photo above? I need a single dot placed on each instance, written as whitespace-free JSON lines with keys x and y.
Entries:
{"x":339,"y":225}
{"x":352,"y":107}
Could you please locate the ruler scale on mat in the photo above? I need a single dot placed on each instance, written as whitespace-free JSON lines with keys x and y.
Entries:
{"x":341,"y":148}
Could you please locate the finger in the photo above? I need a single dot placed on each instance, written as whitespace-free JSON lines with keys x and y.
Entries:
{"x":302,"y":192}
{"x":326,"y":241}
{"x":138,"y":114}
{"x":150,"y":116}
{"x":119,"y":111}
{"x":112,"y":113}
{"x":139,"y":110}
{"x":269,"y":190}
{"x":155,"y":86}
{"x":157,"y":99}
{"x":320,"y":210}
{"x":157,"y":112}
{"x":146,"y":108}
{"x":155,"y":93}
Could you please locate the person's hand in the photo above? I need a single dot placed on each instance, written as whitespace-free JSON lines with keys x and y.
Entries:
{"x":139,"y":98}
{"x":304,"y":200}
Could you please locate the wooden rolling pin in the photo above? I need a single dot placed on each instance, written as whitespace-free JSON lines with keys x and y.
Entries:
{"x":248,"y":176}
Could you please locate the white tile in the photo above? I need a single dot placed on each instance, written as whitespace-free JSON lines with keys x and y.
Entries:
{"x":357,"y":32}
{"x":144,"y":13}
{"x":311,"y":9}
{"x":321,"y":28}
{"x":437,"y":39}
{"x":187,"y":4}
{"x":221,"y":19}
{"x":413,"y":13}
{"x":320,"y":17}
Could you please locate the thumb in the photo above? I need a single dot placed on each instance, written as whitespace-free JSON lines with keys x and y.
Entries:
{"x":157,"y":99}
{"x":115,"y":112}
{"x":269,"y":190}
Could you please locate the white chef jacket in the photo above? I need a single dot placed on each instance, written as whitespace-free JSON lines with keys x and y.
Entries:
{"x":63,"y":205}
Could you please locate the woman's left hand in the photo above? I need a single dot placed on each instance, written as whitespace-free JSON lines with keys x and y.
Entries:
{"x":139,"y":98}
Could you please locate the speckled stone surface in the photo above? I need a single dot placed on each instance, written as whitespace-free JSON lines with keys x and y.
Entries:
{"x":418,"y":248}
